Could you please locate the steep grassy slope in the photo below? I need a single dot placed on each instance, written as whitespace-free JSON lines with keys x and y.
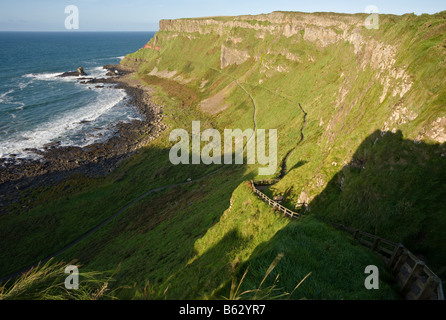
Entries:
{"x":373,"y":157}
{"x":189,"y":241}
{"x":352,"y":82}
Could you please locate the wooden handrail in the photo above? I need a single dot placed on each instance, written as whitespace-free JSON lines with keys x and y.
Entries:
{"x":418,"y":282}
{"x":427,"y":284}
{"x":273,"y":203}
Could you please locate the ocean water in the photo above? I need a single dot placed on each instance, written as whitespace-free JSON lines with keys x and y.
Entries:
{"x":38,"y":108}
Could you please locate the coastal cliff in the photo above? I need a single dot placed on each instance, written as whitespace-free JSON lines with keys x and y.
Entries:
{"x":323,"y":30}
{"x":355,"y":83}
{"x":333,"y":62}
{"x":361,"y":130}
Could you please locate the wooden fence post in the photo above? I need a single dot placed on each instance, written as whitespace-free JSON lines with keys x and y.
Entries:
{"x":419,"y":265}
{"x":400,"y":264}
{"x":397,"y":261}
{"x":429,"y":288}
{"x":401,"y":260}
{"x":440,"y":292}
{"x":396,"y":255}
{"x":375,"y":244}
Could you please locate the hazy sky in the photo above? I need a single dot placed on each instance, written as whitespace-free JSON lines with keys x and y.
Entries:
{"x":144,"y":15}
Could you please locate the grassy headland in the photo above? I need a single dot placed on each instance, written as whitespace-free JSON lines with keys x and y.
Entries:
{"x":373,"y":158}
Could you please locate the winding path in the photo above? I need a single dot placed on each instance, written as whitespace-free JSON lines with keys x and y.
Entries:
{"x":250,"y":96}
{"x":254,"y":116}
{"x":302,"y":137}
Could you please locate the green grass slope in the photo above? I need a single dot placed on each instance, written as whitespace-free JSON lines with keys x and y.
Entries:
{"x":374,"y":99}
{"x":373,"y":157}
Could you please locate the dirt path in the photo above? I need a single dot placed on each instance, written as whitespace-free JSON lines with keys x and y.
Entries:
{"x":284,"y":162}
{"x":302,"y":137}
{"x":250,"y":96}
{"x":254,"y":116}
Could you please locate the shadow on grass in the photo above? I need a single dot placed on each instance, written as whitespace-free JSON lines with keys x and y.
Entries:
{"x":147,"y":182}
{"x":297,"y":165}
{"x":336,"y":264}
{"x":156,"y":238}
{"x":394,"y":188}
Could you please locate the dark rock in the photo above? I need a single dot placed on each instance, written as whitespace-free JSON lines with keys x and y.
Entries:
{"x":80,"y":72}
{"x":48,"y":145}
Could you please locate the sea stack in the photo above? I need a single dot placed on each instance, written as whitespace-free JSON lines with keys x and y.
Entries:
{"x":80,"y":72}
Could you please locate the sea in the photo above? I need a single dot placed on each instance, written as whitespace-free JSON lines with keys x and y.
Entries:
{"x":38,"y":108}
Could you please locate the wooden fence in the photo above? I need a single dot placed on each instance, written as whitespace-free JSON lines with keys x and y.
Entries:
{"x":267,"y":182}
{"x":416,"y":280}
{"x":273,"y":203}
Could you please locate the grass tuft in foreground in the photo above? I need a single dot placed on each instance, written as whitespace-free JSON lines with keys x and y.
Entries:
{"x":47,"y":282}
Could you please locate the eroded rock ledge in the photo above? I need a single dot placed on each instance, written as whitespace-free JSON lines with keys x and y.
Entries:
{"x":321,"y":29}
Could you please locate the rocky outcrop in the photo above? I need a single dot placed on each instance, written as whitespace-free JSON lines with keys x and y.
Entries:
{"x":79,"y":73}
{"x":231,"y":56}
{"x":435,"y":131}
{"x":400,"y":115}
{"x":277,"y":23}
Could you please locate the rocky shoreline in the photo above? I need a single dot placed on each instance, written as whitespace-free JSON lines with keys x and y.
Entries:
{"x":59,"y":162}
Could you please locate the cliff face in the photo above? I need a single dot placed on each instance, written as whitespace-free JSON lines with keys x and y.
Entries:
{"x":263,"y":39}
{"x":344,"y":72}
{"x":351,"y":80}
{"x":320,"y":30}
{"x":277,"y":23}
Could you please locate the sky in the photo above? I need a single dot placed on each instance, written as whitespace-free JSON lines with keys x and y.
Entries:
{"x":144,"y":15}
